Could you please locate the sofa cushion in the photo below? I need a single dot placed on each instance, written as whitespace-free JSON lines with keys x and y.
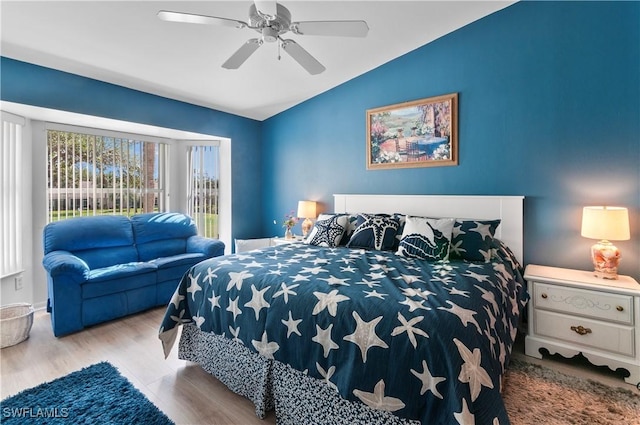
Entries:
{"x":118,"y":278}
{"x":164,"y":248}
{"x":84,"y":233}
{"x":106,"y":257}
{"x":152,"y":227}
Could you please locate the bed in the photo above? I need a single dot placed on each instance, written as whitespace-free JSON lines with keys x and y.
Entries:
{"x":365,"y":327}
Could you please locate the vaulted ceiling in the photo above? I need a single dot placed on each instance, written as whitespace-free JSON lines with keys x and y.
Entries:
{"x":124,"y":43}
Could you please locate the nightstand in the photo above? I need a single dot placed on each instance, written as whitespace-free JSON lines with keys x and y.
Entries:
{"x":283,"y":241}
{"x":572,"y":311}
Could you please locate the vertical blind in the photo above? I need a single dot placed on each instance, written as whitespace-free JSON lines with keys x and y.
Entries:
{"x":93,"y":174}
{"x":202,"y":191}
{"x":11,"y":195}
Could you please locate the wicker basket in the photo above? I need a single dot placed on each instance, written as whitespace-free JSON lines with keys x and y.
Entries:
{"x":15,"y":323}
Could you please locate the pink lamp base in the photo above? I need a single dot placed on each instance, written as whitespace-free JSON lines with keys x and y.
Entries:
{"x":605,"y":257}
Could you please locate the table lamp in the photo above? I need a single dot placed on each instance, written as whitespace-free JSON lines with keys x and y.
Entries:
{"x":605,"y":223}
{"x":307,"y":210}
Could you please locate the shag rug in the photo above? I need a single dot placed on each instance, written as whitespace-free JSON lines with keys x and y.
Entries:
{"x":97,"y":394}
{"x":537,"y":395}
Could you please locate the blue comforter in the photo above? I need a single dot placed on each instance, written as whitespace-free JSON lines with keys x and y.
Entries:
{"x":426,"y":341}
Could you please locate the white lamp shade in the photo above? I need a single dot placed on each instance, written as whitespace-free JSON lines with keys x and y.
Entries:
{"x":611,"y":223}
{"x":307,"y":209}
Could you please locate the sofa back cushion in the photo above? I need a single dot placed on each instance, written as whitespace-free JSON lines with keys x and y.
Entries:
{"x":160,"y":235}
{"x":100,"y":241}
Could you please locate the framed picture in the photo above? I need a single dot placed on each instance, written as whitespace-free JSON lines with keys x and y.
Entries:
{"x":421,"y":133}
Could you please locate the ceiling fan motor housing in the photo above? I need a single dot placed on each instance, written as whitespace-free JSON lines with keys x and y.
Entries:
{"x":270,"y":28}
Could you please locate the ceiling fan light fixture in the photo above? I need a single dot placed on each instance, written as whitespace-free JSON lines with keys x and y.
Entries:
{"x":269,"y":35}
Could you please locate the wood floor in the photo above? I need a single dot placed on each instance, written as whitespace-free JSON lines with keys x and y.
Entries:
{"x":182,"y":390}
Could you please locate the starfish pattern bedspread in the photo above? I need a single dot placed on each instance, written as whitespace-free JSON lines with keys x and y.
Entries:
{"x":426,"y":341}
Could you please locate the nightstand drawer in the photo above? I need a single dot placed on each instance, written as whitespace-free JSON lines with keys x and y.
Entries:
{"x":594,"y":304}
{"x":590,"y":333}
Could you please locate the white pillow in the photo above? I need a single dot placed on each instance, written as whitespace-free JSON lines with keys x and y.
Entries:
{"x":426,"y":238}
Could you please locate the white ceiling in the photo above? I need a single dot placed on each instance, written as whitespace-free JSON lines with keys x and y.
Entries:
{"x":124,"y":43}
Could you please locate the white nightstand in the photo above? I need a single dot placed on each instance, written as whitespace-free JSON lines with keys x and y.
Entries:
{"x":573,"y":312}
{"x":283,"y":241}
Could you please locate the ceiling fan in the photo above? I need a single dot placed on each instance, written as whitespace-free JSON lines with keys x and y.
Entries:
{"x":272,"y":20}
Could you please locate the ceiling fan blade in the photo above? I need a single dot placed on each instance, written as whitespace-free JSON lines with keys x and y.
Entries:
{"x":242,"y":54}
{"x":266,"y":8}
{"x":303,"y":57}
{"x":191,"y":18}
{"x":331,"y":28}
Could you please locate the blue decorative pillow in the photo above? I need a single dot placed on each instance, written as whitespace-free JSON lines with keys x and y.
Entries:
{"x":426,"y":238}
{"x":374,"y":232}
{"x":473,"y":239}
{"x":328,"y":230}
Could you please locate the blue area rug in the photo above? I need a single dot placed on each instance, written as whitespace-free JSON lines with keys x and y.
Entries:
{"x":97,"y":394}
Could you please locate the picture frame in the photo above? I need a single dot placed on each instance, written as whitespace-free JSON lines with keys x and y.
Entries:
{"x":419,"y":133}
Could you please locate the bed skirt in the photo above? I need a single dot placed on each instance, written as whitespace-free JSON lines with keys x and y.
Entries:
{"x":270,"y":384}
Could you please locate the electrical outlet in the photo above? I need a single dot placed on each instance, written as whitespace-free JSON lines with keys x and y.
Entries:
{"x":18,"y":283}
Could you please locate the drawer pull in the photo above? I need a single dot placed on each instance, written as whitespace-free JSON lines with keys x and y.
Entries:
{"x":544,"y":295}
{"x":580,"y":330}
{"x":620,"y":308}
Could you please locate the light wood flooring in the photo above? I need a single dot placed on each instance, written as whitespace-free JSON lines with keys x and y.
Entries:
{"x":182,"y":390}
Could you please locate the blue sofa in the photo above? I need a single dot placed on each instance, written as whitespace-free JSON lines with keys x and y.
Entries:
{"x":104,"y":267}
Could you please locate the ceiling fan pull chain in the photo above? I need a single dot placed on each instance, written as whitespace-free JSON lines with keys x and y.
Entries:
{"x":279,"y":57}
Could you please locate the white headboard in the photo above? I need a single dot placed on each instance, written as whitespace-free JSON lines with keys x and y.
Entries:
{"x":509,"y":209}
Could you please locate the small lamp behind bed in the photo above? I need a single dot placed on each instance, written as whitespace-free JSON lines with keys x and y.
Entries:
{"x":605,"y":223}
{"x":307,"y":210}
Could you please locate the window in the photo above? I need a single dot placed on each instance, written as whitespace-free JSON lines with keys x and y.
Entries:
{"x":203,"y":188}
{"x":90,"y":172}
{"x":11,"y":195}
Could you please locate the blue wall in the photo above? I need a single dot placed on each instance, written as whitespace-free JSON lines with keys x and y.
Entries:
{"x":34,"y":85}
{"x":549,"y":108}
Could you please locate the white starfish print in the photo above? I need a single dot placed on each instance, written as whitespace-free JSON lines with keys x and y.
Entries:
{"x":375,"y":294}
{"x":277,"y":272}
{"x":235,"y":332}
{"x":429,"y":382}
{"x":236,"y":279}
{"x":483,"y":229}
{"x":300,"y":278}
{"x":323,"y":337}
{"x":176,"y":299}
{"x":377,"y":400}
{"x":347,"y":269}
{"x":258,"y":302}
{"x":465,"y":417}
{"x":414,"y":305}
{"x":313,"y":270}
{"x":472,"y":372}
{"x":476,"y":276}
{"x":466,"y":316}
{"x":242,"y":257}
{"x":413,"y":292}
{"x":180,"y":318}
{"x":365,"y":335}
{"x":409,"y":278}
{"x":382,"y":267}
{"x":292,"y":325}
{"x":490,"y":297}
{"x":327,"y":374}
{"x":265,"y":347}
{"x":254,"y":264}
{"x":198,"y":320}
{"x":320,"y":261}
{"x":376,"y":276}
{"x":455,"y":291}
{"x":369,"y":284}
{"x":224,"y":262}
{"x":329,"y":301}
{"x":193,"y":286}
{"x":407,"y":326}
{"x":285,"y":292}
{"x":211,"y":274}
{"x":214,"y":300}
{"x":233,"y":307}
{"x":332,"y":280}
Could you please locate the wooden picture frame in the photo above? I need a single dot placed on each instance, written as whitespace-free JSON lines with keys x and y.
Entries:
{"x":420,"y":133}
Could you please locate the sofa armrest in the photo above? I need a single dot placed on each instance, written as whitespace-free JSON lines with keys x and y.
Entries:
{"x":207,"y":246}
{"x":58,"y":263}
